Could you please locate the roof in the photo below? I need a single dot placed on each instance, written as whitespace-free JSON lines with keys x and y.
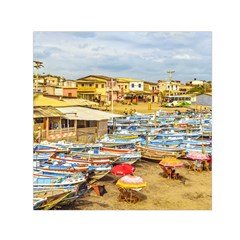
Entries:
{"x":139,"y":92}
{"x":65,"y":87}
{"x":151,"y":83}
{"x":42,"y":101}
{"x":207,"y":93}
{"x":129,"y":80}
{"x":182,"y":95}
{"x":98,"y":78}
{"x":79,"y":102}
{"x":81,"y":113}
{"x":46,"y":112}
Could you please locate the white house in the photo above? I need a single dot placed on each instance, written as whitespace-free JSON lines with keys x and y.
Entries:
{"x":136,"y":86}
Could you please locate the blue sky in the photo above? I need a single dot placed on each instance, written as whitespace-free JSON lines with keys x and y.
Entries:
{"x":140,"y":55}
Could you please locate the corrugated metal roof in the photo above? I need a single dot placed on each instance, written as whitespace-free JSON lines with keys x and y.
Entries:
{"x":81,"y":113}
{"x":46,"y":112}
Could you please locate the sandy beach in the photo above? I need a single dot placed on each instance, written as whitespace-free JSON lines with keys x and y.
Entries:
{"x":159,"y":194}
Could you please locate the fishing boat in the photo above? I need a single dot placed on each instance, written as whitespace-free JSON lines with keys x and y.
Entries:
{"x":168,"y":149}
{"x":97,"y":155}
{"x":117,"y":150}
{"x":128,"y":158}
{"x":41,"y":156}
{"x":53,"y":182}
{"x":44,"y":197}
{"x":155,"y":151}
{"x":80,"y":160}
{"x":48,"y":199}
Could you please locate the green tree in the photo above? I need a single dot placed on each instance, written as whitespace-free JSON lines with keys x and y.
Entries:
{"x":199,"y":89}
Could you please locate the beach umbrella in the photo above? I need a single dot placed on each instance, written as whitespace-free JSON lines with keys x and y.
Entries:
{"x":123,"y":169}
{"x":197,"y":156}
{"x":171,"y":162}
{"x":132,"y":182}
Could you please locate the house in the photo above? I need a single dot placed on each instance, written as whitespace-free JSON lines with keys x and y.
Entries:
{"x":92,"y":88}
{"x":62,"y":120}
{"x":153,"y":90}
{"x":196,"y":82}
{"x":169,"y":87}
{"x":133,"y":89}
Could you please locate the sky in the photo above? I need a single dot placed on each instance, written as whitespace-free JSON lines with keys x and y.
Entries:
{"x":139,"y":55}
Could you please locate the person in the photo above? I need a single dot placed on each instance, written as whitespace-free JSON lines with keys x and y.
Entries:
{"x":131,"y":111}
{"x":125,"y":111}
{"x":169,"y":171}
{"x":210,"y":163}
{"x":206,"y":166}
{"x":173,"y":174}
{"x":199,"y":165}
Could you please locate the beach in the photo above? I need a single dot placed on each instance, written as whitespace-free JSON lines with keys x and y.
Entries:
{"x":159,"y":194}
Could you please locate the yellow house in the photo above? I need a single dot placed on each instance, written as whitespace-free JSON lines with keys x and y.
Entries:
{"x":92,"y":88}
{"x":152,"y":89}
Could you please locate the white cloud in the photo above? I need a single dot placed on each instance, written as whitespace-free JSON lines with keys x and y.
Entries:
{"x":142,"y":55}
{"x":185,"y":57}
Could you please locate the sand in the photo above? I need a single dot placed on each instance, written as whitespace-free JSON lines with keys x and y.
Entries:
{"x":159,"y":194}
{"x":118,"y":108}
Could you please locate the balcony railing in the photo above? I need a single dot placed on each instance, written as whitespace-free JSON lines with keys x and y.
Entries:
{"x":86,"y":89}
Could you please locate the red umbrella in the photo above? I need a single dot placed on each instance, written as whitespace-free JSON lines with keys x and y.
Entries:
{"x":123,"y":169}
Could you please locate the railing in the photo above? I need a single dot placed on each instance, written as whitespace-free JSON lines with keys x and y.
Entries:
{"x":84,"y":135}
{"x":86,"y":88}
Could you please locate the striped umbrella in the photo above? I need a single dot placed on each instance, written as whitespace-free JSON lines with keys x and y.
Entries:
{"x":171,"y":162}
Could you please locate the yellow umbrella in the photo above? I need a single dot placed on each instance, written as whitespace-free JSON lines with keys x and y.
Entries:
{"x":130,"y":181}
{"x":171,"y":162}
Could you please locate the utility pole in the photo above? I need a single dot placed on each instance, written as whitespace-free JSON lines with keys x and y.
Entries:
{"x":37,"y":65}
{"x":112,"y":95}
{"x":170,"y":77}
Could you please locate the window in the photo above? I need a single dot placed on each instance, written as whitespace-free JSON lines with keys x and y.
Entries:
{"x":125,"y":86}
{"x":96,"y":85}
{"x":132,"y":85}
{"x":38,"y":120}
{"x":90,"y":85}
{"x":82,"y":85}
{"x":71,"y":123}
{"x":102,"y":85}
{"x":139,"y":85}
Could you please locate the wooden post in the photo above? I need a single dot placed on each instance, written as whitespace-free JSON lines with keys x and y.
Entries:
{"x":146,"y":139}
{"x":155,"y":120}
{"x":68,"y":130}
{"x":60,"y":127}
{"x":47,"y":127}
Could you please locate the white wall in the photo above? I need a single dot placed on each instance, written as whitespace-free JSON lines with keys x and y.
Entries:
{"x":58,"y":91}
{"x":135,"y":86}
